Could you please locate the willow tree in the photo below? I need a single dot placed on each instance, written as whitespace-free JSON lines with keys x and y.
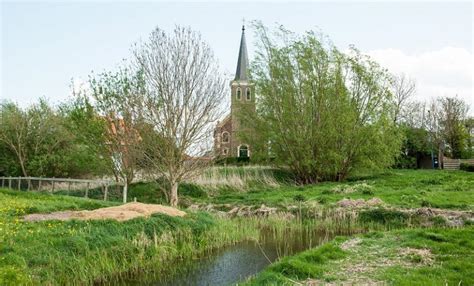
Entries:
{"x":321,"y":112}
{"x":184,"y":92}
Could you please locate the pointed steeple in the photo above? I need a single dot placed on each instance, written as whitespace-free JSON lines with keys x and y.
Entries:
{"x":243,"y":62}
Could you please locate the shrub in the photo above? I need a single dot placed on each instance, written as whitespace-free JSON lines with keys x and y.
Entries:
{"x":467,"y":167}
{"x":384,"y":216}
{"x":299,"y":198}
{"x":425,"y":203}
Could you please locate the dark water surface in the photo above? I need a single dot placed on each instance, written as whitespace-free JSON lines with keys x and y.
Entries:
{"x":236,"y":263}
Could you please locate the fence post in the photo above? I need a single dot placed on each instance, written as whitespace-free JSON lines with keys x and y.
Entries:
{"x":3,"y":182}
{"x":52,"y":187}
{"x":9,"y":182}
{"x":106,"y":191}
{"x":68,"y":187}
{"x":39,"y":185}
{"x":87,"y":190}
{"x":19,"y":183}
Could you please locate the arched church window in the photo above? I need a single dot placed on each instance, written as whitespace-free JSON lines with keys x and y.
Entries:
{"x":238,"y":94}
{"x":243,"y":151}
{"x":248,"y":94}
{"x":225,"y":137}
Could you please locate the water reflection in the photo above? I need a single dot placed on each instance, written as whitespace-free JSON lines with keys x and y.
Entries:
{"x":229,"y":265}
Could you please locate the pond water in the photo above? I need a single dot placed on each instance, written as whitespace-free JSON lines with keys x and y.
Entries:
{"x":236,"y":263}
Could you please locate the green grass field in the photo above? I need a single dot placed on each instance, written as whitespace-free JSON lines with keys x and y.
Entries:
{"x":87,"y":252}
{"x":402,"y":257}
{"x":84,"y":252}
{"x":401,"y":188}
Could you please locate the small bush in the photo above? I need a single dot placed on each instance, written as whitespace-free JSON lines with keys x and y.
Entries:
{"x":410,"y":198}
{"x":384,"y":216}
{"x":364,"y":189}
{"x":467,"y":167}
{"x":425,"y":203}
{"x":192,"y":190}
{"x":299,"y":198}
{"x":438,"y":221}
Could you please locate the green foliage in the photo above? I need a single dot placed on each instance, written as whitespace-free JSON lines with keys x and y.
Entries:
{"x":452,"y":121}
{"x":384,"y":216}
{"x":467,"y":167}
{"x":37,"y":141}
{"x":299,"y":198}
{"x":311,"y":117}
{"x":415,"y":144}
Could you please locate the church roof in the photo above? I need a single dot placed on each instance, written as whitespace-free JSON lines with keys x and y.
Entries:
{"x":243,"y":62}
{"x":223,"y":122}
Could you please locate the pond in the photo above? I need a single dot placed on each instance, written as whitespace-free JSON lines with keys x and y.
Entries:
{"x":236,"y":263}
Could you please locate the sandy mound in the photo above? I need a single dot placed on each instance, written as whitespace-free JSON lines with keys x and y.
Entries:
{"x":120,"y":213}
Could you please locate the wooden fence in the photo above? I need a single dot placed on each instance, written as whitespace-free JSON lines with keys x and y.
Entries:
{"x":65,"y":186}
{"x":455,"y":164}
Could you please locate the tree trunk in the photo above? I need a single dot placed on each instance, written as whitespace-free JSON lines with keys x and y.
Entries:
{"x":125,"y":190}
{"x":174,"y":194}
{"x":23,"y":169}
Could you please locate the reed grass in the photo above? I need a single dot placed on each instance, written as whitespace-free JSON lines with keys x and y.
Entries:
{"x":239,"y":178}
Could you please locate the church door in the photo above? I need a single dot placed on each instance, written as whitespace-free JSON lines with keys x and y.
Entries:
{"x":243,"y":151}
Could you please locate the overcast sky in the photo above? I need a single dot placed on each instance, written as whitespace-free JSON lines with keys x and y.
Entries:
{"x":45,"y":45}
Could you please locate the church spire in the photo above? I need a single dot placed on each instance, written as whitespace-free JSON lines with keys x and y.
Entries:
{"x":243,"y":62}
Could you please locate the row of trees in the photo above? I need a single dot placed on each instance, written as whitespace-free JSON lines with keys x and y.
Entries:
{"x":320,"y":112}
{"x":439,"y":127}
{"x":155,"y":114}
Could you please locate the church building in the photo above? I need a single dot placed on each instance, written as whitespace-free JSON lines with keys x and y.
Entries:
{"x":228,"y":139}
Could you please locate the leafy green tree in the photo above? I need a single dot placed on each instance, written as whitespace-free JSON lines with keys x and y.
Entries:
{"x":36,"y":136}
{"x":415,"y":145}
{"x":88,"y":156}
{"x":452,"y":120}
{"x":319,"y":111}
{"x":117,"y":98}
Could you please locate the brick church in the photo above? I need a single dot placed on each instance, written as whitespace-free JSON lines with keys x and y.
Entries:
{"x":228,"y":139}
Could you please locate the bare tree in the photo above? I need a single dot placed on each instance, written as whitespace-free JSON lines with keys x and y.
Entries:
{"x":403,"y":90}
{"x":184,"y":92}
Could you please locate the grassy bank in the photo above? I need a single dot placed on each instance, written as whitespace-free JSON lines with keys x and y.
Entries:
{"x":402,"y":257}
{"x":84,"y":252}
{"x":263,"y":185}
{"x":399,"y":188}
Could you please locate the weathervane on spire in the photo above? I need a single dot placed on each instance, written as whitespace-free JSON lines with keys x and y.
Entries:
{"x":243,"y":24}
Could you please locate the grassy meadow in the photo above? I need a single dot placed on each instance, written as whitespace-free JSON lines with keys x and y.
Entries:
{"x":402,"y":257}
{"x":86,"y":252}
{"x":261,"y":185}
{"x":89,"y":252}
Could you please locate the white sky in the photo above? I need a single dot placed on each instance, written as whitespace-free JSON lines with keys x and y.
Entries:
{"x":45,"y":44}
